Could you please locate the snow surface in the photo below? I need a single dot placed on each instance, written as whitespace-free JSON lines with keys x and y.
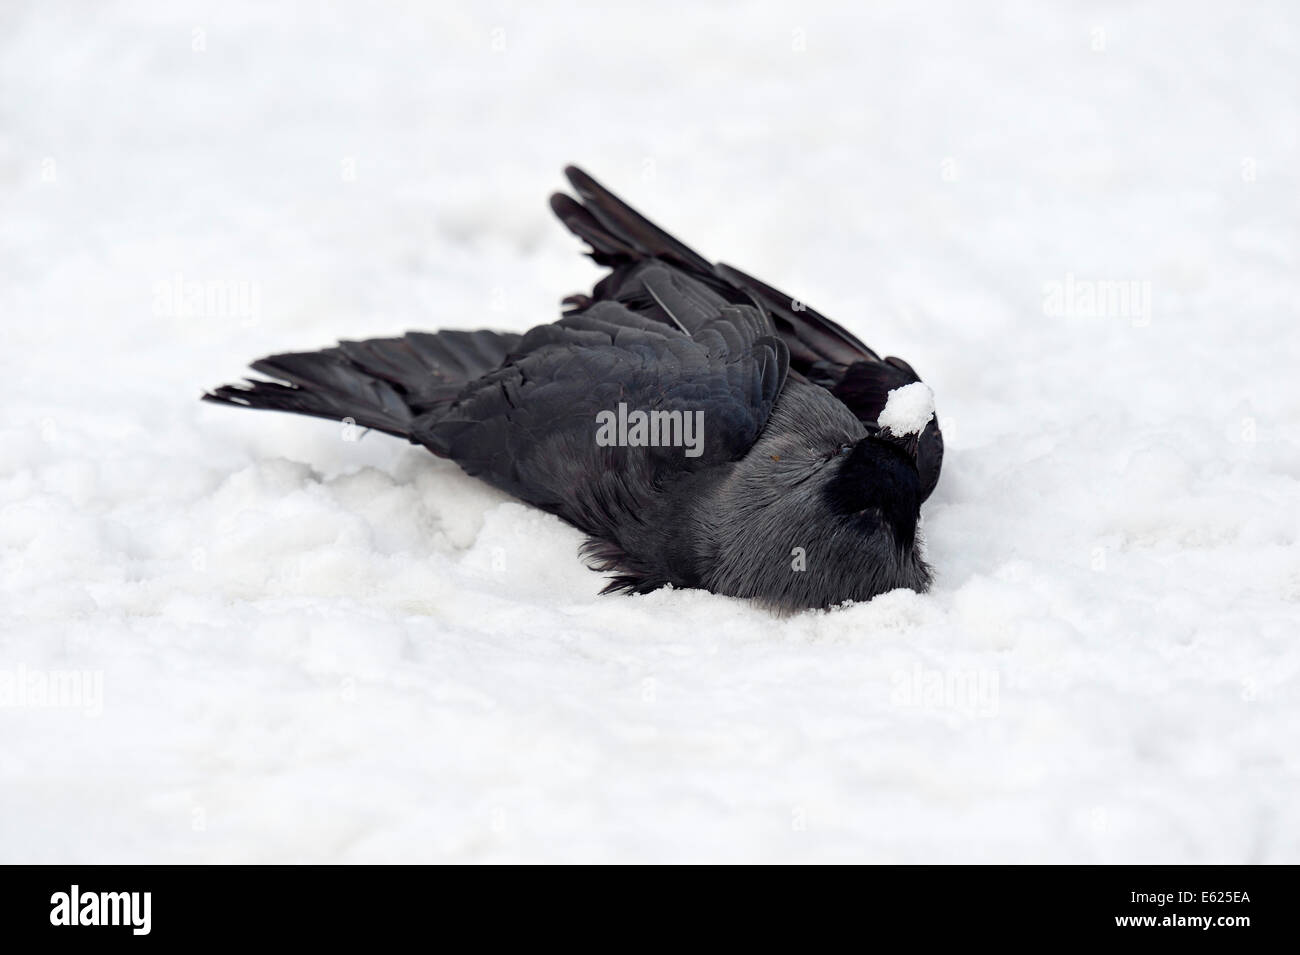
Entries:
{"x":907,"y":409}
{"x":318,"y":648}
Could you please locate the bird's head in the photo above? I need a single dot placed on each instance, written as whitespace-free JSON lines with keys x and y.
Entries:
{"x":815,"y":526}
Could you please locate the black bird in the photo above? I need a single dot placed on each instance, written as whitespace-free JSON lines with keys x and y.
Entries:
{"x":702,"y":428}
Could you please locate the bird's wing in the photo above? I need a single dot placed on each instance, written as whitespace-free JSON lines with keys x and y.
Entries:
{"x":820,"y":349}
{"x":531,"y":426}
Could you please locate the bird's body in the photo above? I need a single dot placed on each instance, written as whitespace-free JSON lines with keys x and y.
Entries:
{"x":756,"y":466}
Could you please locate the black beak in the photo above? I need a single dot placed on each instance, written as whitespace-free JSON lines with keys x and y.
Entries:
{"x":908,"y":442}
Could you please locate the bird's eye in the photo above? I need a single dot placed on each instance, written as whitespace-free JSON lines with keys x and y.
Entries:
{"x":845,"y":448}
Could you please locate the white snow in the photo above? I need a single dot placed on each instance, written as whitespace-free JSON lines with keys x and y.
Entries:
{"x":317,"y":648}
{"x":907,"y":409}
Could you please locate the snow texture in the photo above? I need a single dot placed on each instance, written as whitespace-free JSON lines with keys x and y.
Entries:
{"x":908,"y":409}
{"x":1080,"y":224}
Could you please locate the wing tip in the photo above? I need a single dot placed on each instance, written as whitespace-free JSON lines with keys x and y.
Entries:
{"x":576,"y":176}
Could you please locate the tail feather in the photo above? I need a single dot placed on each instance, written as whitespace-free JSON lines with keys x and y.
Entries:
{"x":382,"y":383}
{"x":430,"y":368}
